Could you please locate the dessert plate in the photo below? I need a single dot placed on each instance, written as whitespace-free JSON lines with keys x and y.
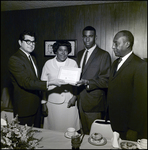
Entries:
{"x":69,"y":137}
{"x":128,"y":145}
{"x":97,"y":143}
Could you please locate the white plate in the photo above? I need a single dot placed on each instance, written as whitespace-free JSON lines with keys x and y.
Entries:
{"x":69,"y":137}
{"x":128,"y":145}
{"x":97,"y":143}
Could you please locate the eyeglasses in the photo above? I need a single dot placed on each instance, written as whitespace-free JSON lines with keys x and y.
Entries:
{"x":30,"y":42}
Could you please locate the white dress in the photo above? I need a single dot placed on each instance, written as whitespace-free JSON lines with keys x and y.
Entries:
{"x":59,"y":116}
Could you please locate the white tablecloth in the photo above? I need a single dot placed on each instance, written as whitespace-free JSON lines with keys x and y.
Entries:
{"x":57,"y":140}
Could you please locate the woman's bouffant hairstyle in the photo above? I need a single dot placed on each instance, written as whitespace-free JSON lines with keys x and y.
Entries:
{"x":59,"y":43}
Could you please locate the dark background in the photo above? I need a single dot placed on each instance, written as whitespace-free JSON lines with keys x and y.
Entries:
{"x":68,"y":23}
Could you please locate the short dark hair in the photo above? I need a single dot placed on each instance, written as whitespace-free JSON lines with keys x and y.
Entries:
{"x":59,"y":43}
{"x":26,"y":32}
{"x":89,"y":28}
{"x":129,"y":36}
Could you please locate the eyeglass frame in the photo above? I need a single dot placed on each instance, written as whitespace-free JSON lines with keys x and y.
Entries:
{"x":33,"y":42}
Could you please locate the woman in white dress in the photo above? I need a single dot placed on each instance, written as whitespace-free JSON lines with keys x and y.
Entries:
{"x":62,"y":107}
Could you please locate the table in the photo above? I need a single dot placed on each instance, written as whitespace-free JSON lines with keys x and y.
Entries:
{"x":57,"y":140}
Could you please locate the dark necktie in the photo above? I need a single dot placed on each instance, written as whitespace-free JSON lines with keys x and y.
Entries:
{"x":84,"y":60}
{"x":118,"y":61}
{"x":33,"y":65}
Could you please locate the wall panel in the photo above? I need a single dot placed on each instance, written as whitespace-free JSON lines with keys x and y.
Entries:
{"x":68,"y":23}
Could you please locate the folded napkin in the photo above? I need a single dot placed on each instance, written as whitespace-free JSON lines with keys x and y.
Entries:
{"x":3,"y":122}
{"x":116,"y":140}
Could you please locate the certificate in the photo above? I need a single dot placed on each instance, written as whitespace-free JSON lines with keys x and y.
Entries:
{"x":69,"y":74}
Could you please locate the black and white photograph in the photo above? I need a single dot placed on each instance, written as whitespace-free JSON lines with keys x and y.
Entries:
{"x":74,"y":74}
{"x":49,"y":47}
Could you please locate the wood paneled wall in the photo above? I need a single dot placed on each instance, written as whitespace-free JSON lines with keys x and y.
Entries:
{"x":68,"y":23}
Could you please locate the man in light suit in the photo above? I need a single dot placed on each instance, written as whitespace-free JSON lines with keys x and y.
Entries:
{"x":94,"y":80}
{"x":24,"y":75}
{"x":127,"y":91}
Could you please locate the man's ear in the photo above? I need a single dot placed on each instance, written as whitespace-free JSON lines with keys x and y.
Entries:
{"x":96,"y":37}
{"x":128,"y":44}
{"x":19,"y":41}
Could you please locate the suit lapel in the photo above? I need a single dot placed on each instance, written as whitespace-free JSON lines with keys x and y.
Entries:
{"x":24,"y":58}
{"x":90,"y":59}
{"x":124,"y":65}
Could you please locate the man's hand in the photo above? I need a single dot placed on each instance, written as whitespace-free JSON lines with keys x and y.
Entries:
{"x":82,"y":82}
{"x":56,"y":82}
{"x":71,"y":102}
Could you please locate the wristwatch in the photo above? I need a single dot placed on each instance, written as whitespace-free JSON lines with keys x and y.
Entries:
{"x":87,"y":84}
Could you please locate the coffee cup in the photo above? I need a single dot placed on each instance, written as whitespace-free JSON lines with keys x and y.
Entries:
{"x":70,"y":131}
{"x":142,"y":143}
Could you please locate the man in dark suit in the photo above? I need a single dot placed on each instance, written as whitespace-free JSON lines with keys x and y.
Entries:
{"x":127,"y":91}
{"x":27,"y":85}
{"x":94,"y":80}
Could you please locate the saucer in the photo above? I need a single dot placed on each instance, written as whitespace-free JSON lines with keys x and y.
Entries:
{"x":128,"y":145}
{"x":138,"y":146}
{"x":97,"y":143}
{"x":69,"y":137}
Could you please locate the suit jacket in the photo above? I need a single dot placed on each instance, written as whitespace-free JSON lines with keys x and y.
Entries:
{"x":127,"y":95}
{"x":26,"y":84}
{"x":97,"y":71}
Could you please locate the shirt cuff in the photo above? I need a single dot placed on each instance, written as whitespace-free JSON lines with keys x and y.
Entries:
{"x":47,"y":84}
{"x":43,"y":101}
{"x":87,"y":86}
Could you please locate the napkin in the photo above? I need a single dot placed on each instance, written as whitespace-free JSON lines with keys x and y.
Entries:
{"x":3,"y":122}
{"x":116,"y":140}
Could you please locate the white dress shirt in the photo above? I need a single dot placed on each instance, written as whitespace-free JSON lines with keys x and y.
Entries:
{"x":34,"y":66}
{"x":123,"y":60}
{"x":88,"y":54}
{"x":31,"y":61}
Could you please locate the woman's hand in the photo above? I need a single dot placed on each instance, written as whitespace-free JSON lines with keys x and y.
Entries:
{"x":71,"y":102}
{"x":56,"y":82}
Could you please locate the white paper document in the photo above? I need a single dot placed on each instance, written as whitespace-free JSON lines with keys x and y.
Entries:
{"x":69,"y":74}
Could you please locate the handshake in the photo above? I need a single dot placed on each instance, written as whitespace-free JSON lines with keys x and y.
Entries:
{"x":56,"y":82}
{"x":59,"y":82}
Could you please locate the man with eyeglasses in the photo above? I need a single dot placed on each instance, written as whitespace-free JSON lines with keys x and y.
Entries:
{"x":26,"y":82}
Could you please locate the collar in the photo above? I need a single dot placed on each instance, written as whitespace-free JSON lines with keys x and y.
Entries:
{"x":126,"y":56}
{"x":25,"y":52}
{"x":58,"y":61}
{"x":55,"y":62}
{"x":91,"y":49}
